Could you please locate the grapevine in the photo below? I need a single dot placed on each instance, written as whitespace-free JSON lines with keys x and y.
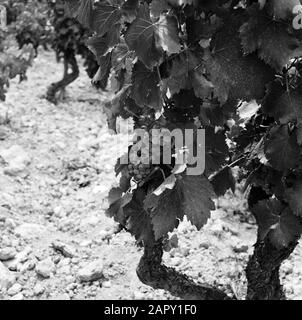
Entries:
{"x":192,"y":64}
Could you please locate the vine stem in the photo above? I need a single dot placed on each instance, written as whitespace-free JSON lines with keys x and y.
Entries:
{"x":152,"y":272}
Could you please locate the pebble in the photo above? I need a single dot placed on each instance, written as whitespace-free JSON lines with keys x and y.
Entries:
{"x":106,"y":284}
{"x":38,"y":289}
{"x":16,"y":288}
{"x":240,"y":248}
{"x":7,"y":254}
{"x":91,"y":272}
{"x":7,"y":278}
{"x":45,"y":268}
{"x":66,"y":250}
{"x":18,"y":296}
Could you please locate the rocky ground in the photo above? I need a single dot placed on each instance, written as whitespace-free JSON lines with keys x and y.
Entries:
{"x":56,"y":167}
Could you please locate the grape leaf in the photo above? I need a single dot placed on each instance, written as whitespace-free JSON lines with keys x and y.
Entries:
{"x":149,"y":39}
{"x":146,"y":90}
{"x":277,"y":222}
{"x":166,"y":209}
{"x":141,"y":38}
{"x":85,"y":13}
{"x":191,"y":196}
{"x":197,"y":203}
{"x":167,"y":32}
{"x":138,"y":219}
{"x":267,"y":214}
{"x":234,"y":75}
{"x":282,"y":104}
{"x":294,"y":197}
{"x":117,"y":203}
{"x":281,"y":148}
{"x":104,"y":70}
{"x":275,"y":44}
{"x":287,"y":231}
{"x":186,"y":74}
{"x":98,"y":45}
{"x":222,"y":181}
{"x":105,"y":17}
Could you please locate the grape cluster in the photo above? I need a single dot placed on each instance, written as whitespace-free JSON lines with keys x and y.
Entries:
{"x":139,"y":171}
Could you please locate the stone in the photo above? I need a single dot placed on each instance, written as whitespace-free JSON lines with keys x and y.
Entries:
{"x":45,"y":268}
{"x":240,"y":248}
{"x":91,"y":272}
{"x":7,"y":278}
{"x":66,"y":250}
{"x":15,"y":289}
{"x":17,"y":159}
{"x":30,"y":231}
{"x":38,"y":289}
{"x":7,"y":254}
{"x":18,"y":296}
{"x":106,"y":284}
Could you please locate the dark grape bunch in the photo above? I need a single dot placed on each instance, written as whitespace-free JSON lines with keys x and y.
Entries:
{"x":139,"y":171}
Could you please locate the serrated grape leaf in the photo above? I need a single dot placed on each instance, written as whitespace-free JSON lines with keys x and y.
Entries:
{"x":138,"y":219}
{"x":191,"y":196}
{"x":281,"y":148}
{"x":277,"y":222}
{"x":165,"y":210}
{"x":274,"y":43}
{"x":222,"y":181}
{"x":267,"y":214}
{"x":282,"y":104}
{"x":158,"y":7}
{"x":141,"y":38}
{"x":235,"y":76}
{"x":105,"y":17}
{"x":98,"y":45}
{"x":149,"y":39}
{"x":116,"y":208}
{"x":114,"y":195}
{"x":197,"y":194}
{"x":186,"y":74}
{"x":293,"y":196}
{"x":287,"y":231}
{"x":146,"y":90}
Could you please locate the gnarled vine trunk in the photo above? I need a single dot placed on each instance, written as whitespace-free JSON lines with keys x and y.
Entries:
{"x":68,"y":78}
{"x":152,"y":272}
{"x":263,"y":271}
